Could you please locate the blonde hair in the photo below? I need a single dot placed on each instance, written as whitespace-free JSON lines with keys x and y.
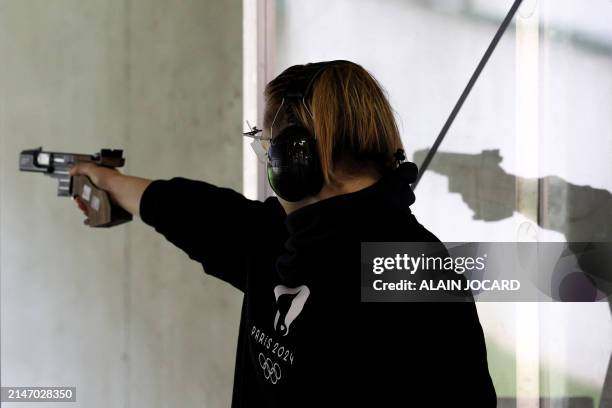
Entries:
{"x":352,"y":116}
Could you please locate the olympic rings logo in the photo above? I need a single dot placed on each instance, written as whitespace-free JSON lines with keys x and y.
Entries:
{"x":272,"y":371}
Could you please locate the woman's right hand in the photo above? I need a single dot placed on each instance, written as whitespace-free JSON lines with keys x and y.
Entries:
{"x":99,"y":175}
{"x":123,"y":190}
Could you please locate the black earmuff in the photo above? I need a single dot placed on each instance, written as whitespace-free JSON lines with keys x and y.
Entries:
{"x":294,"y":168}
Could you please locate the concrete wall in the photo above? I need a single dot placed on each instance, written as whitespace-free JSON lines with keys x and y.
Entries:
{"x":120,"y":313}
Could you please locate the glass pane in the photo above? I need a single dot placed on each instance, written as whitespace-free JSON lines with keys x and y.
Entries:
{"x":527,"y":158}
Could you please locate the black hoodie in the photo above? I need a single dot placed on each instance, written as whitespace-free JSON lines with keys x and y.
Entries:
{"x":305,"y":337}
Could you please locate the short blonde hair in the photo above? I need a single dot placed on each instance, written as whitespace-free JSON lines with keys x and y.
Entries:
{"x":352,"y":115}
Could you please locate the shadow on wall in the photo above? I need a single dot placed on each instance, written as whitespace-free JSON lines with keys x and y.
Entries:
{"x":582,"y":213}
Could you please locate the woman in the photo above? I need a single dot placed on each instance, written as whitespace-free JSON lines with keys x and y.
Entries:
{"x":335,"y":162}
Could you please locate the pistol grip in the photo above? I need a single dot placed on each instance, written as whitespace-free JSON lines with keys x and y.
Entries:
{"x":101,"y":211}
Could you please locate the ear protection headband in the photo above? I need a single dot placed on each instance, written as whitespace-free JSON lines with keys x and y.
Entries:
{"x":293,"y":168}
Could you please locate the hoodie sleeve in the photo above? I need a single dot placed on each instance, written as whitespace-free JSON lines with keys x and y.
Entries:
{"x":217,"y":227}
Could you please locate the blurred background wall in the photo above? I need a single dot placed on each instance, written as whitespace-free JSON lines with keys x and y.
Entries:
{"x":119,"y":313}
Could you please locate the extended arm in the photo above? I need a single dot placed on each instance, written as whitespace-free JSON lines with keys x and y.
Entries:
{"x":217,"y":227}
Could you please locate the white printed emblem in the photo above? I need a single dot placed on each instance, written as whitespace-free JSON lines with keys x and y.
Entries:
{"x":290,"y":302}
{"x":271,"y":370}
